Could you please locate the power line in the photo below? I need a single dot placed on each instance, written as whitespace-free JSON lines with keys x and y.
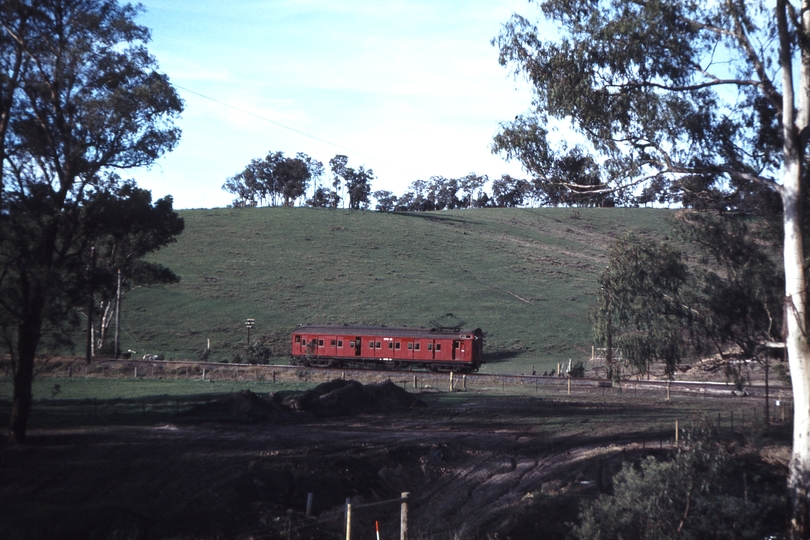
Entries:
{"x":283,"y":126}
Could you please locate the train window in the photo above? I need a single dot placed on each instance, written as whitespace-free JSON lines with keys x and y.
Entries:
{"x":332,"y":343}
{"x":340,"y":343}
{"x":417,"y":346}
{"x":398,"y":345}
{"x":304,"y":341}
{"x":430,"y":346}
{"x":351,"y":344}
{"x":391,"y":345}
{"x":379,"y":345}
{"x":370,"y":344}
{"x":438,"y":346}
{"x":456,"y":344}
{"x":298,"y":339}
{"x":410,"y":346}
{"x":320,"y":343}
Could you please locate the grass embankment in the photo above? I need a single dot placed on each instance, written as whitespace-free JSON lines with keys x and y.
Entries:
{"x":527,"y":277}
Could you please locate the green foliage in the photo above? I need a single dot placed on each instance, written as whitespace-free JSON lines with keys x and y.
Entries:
{"x":83,"y":98}
{"x":640,"y":84}
{"x":642,"y":308}
{"x":357,"y":182}
{"x":577,"y":369}
{"x":739,"y":286}
{"x":272,"y":179}
{"x":702,"y":492}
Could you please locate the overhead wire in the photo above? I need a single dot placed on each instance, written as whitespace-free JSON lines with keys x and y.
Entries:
{"x":294,"y":130}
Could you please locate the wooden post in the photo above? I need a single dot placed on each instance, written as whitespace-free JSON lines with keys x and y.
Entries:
{"x":310,"y":497}
{"x":414,"y":383}
{"x":136,"y":372}
{"x":274,"y":375}
{"x":451,"y":381}
{"x":559,"y":367}
{"x":464,"y":382}
{"x":668,"y":391}
{"x":117,"y":336}
{"x":569,"y":386}
{"x":403,"y":517}
{"x":203,"y":374}
{"x":677,"y":433}
{"x":767,"y":395}
{"x":348,"y":519}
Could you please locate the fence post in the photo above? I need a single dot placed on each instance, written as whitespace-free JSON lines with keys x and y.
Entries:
{"x":451,"y":381}
{"x":310,"y":497}
{"x":136,"y":372}
{"x":203,"y":374}
{"x":569,"y":386}
{"x":348,"y":519}
{"x":668,"y":391}
{"x":464,"y":382}
{"x":677,"y":433}
{"x":414,"y":382}
{"x":403,"y":517}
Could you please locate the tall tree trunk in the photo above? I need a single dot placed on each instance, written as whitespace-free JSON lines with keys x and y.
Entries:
{"x":796,"y":341}
{"x":28,"y":334}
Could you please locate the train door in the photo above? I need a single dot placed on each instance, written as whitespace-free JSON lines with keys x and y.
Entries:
{"x":358,"y":344}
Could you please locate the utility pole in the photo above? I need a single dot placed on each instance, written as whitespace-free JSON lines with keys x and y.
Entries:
{"x":118,"y":316}
{"x":90,"y":270}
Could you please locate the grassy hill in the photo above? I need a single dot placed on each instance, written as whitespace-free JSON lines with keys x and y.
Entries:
{"x":527,"y":277}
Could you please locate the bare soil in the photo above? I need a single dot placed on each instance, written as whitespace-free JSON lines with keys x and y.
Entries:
{"x":242,"y":465}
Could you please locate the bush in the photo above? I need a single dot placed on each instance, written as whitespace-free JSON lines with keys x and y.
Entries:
{"x":701,"y":493}
{"x":577,"y":370}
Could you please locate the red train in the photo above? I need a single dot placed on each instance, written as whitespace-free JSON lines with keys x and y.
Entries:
{"x":321,"y":345}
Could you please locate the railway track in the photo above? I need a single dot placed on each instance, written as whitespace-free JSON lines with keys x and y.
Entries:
{"x":439,"y":379}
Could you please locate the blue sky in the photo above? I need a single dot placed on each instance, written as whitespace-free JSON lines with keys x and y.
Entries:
{"x":409,"y":88}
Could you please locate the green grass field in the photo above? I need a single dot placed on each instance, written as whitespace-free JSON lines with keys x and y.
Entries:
{"x":527,"y":277}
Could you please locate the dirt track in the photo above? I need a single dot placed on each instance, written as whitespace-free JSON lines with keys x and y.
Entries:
{"x":473,"y":465}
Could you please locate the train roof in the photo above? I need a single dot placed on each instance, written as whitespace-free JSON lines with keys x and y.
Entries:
{"x":382,"y":331}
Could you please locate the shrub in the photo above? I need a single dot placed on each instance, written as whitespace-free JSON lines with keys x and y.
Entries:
{"x":701,"y":493}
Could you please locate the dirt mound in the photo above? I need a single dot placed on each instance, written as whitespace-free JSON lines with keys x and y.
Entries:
{"x":245,"y":405}
{"x":338,"y":396}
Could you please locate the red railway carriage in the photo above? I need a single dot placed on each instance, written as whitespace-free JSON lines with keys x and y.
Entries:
{"x":321,"y":345}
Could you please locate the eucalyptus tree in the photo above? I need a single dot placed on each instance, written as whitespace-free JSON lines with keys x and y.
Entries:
{"x":386,"y":200}
{"x":676,"y":95}
{"x":470,"y":185}
{"x":509,"y":192}
{"x":124,"y":225}
{"x":88,"y":99}
{"x":641,"y":308}
{"x":357,"y":182}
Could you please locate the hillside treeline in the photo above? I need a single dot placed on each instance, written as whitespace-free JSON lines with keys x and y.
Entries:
{"x":284,"y":180}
